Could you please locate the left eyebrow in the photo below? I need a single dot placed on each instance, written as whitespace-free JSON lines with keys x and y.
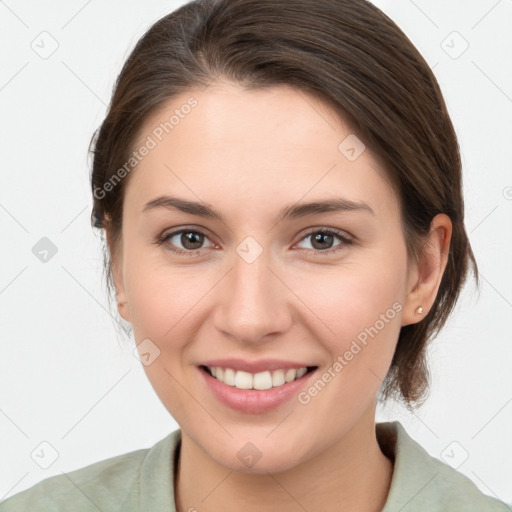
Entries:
{"x":292,"y":211}
{"x":337,"y":204}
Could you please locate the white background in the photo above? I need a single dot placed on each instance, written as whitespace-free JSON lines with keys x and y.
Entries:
{"x":68,"y":378}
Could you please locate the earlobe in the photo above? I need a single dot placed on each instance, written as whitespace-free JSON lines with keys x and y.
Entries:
{"x":122,"y":303}
{"x":117,"y":277}
{"x":429,"y":271}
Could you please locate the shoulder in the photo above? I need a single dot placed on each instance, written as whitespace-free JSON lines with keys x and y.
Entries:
{"x":103,"y":485}
{"x":421,"y":482}
{"x":81,"y":489}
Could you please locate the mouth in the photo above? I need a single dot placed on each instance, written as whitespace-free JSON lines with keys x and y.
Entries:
{"x":258,"y":381}
{"x":254,"y":388}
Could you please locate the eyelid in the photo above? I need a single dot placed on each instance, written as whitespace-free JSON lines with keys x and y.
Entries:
{"x":345,"y":238}
{"x":166,"y":235}
{"x":324,"y":229}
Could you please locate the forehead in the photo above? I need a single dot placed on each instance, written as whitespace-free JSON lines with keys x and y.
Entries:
{"x":261,"y":144}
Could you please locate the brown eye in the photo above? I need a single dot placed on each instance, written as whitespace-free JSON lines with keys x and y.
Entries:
{"x":184,"y":241}
{"x":191,"y":240}
{"x":323,"y":241}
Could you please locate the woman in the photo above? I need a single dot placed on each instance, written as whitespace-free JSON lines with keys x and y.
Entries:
{"x":279,"y":184}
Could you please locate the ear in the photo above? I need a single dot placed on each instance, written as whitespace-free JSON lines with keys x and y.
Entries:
{"x":116,"y":257}
{"x":425,"y":276}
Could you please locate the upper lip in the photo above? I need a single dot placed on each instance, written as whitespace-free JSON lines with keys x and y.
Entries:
{"x":255,"y":366}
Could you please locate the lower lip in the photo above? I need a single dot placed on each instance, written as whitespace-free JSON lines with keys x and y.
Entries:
{"x":254,"y":401}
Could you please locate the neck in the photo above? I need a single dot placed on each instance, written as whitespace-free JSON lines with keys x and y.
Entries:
{"x":353,"y":472}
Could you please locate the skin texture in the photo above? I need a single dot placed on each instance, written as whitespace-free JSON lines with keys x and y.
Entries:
{"x":248,"y":154}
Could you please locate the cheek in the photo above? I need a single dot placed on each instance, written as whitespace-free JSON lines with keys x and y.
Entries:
{"x":162,"y":300}
{"x":360,"y":313}
{"x":339,"y":303}
{"x":351,"y":298}
{"x":357,"y":310}
{"x":153,"y":298}
{"x":164,"y":304}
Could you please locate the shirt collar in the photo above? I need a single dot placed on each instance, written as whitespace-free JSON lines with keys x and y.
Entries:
{"x":418,"y":482}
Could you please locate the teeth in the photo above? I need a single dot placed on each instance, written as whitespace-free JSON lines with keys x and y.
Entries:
{"x":290,"y":375}
{"x":229,"y":377}
{"x":278,"y":378}
{"x":261,"y":381}
{"x":243,"y":380}
{"x":301,"y":372}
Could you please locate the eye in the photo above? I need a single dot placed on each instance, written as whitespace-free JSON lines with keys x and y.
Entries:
{"x":190,"y":240}
{"x":322,"y":240}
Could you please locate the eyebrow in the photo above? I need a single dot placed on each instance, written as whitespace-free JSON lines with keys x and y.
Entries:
{"x":292,"y":211}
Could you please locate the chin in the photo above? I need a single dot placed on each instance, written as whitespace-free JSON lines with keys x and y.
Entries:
{"x":275,"y":463}
{"x":261,"y":456}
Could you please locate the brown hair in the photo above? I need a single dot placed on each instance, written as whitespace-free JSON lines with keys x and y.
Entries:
{"x":348,"y":54}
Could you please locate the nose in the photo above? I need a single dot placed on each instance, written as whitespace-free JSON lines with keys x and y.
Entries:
{"x":252,"y":301}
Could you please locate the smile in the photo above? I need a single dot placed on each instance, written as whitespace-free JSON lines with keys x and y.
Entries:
{"x":259,"y":381}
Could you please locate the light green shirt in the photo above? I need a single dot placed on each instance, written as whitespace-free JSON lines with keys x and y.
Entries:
{"x":142,"y":481}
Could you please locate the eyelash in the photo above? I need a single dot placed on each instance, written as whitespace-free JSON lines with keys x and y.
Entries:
{"x":162,"y":239}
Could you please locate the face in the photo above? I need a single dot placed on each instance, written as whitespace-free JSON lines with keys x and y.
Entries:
{"x":252,"y":289}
